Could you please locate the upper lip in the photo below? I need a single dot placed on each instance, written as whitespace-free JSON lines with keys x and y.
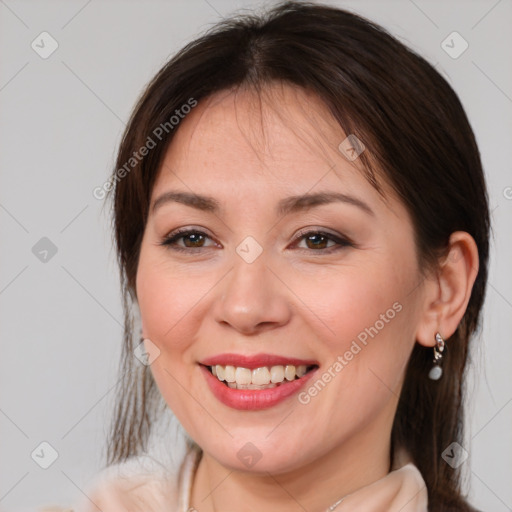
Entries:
{"x":255,"y":361}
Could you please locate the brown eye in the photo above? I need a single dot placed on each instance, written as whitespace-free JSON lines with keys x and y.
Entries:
{"x":318,"y":241}
{"x":195,"y":239}
{"x":192,"y":239}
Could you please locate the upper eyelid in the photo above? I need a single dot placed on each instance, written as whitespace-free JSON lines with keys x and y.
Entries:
{"x":300,"y":233}
{"x":183,"y":232}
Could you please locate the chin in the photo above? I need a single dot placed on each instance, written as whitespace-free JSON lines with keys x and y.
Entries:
{"x":256,"y":453}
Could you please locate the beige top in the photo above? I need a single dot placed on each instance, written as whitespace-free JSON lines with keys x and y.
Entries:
{"x":401,"y":490}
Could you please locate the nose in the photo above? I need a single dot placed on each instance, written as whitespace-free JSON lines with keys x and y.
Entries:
{"x":252,"y":298}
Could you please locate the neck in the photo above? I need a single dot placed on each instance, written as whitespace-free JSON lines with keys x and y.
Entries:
{"x":358,"y":462}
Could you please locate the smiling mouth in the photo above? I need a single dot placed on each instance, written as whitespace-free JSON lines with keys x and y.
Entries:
{"x":264,"y":377}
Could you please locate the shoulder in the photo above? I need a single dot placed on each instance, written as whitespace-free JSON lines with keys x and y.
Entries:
{"x":137,"y":485}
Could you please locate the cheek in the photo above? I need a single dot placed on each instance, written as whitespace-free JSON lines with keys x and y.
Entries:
{"x":366,"y":315}
{"x":165,"y":298}
{"x":352,"y":301}
{"x":368,"y":311}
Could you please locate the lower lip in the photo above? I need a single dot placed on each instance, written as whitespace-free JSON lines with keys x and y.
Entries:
{"x":253,"y":399}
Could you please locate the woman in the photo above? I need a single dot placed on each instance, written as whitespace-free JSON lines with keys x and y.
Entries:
{"x":302,"y":222}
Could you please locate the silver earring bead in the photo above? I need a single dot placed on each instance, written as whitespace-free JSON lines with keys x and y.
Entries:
{"x":436,"y":371}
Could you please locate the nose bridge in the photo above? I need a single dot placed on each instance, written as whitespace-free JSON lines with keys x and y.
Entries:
{"x":251,"y":295}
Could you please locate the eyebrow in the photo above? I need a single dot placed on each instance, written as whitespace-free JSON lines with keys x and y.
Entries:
{"x":285,"y":206}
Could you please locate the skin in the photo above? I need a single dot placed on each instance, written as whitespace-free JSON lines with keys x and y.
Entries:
{"x":295,"y":299}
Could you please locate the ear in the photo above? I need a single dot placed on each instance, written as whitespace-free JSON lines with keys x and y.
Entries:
{"x":448,"y":290}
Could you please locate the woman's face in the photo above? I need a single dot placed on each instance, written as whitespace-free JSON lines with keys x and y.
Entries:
{"x":272,"y":276}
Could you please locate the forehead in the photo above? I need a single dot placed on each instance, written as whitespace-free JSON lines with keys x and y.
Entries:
{"x":257,"y":131}
{"x":277,"y":141}
{"x":270,"y":122}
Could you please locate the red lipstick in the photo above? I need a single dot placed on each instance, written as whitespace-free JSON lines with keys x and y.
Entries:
{"x":256,"y":360}
{"x":255,"y":399}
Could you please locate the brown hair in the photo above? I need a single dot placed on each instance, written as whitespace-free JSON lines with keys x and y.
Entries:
{"x":421,"y":142}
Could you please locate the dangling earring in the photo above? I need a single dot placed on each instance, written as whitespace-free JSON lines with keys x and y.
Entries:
{"x":436,"y":371}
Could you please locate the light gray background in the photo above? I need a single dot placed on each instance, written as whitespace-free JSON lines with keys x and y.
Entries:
{"x":60,"y":124}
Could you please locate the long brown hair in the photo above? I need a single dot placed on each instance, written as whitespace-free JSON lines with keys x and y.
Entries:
{"x":421,"y":142}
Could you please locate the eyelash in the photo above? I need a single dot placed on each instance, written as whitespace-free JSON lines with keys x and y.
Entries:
{"x":170,"y":240}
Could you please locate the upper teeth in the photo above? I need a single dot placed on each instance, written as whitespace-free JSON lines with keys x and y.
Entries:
{"x":259,"y":376}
